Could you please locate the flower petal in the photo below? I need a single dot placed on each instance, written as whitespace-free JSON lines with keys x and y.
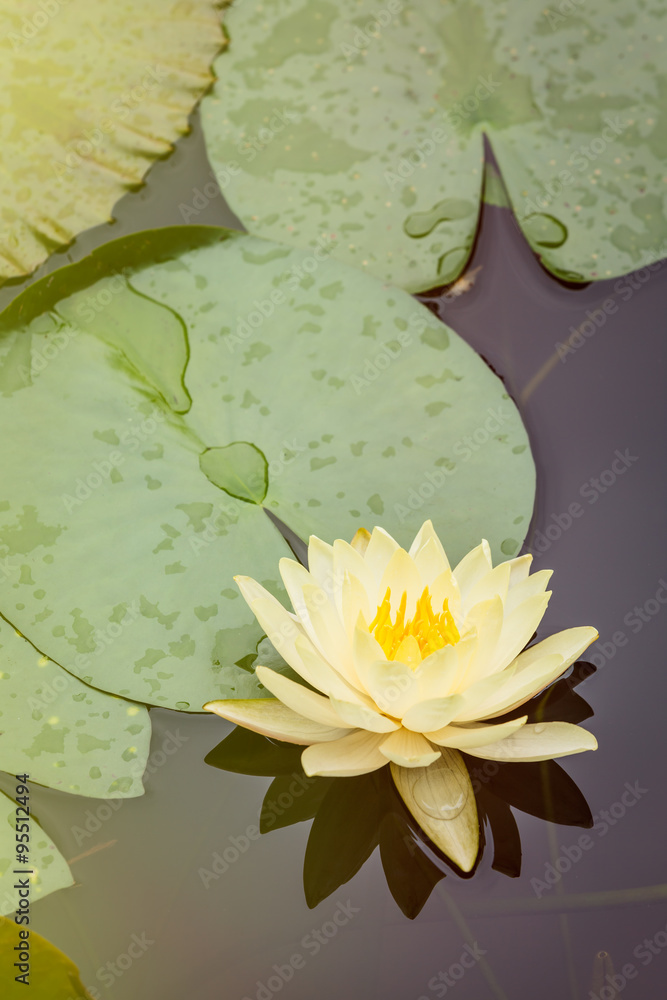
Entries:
{"x":428,"y":553}
{"x":270,"y":717}
{"x":361,"y":539}
{"x":476,"y":564}
{"x":492,"y":584}
{"x":355,"y":753}
{"x":486,"y":620}
{"x":569,"y":644}
{"x":408,"y":749}
{"x":442,"y":801}
{"x":438,"y":675}
{"x":535,"y":584}
{"x":543,"y":741}
{"x":519,"y":568}
{"x":391,"y":684}
{"x":361,"y":717}
{"x":301,"y":699}
{"x":401,"y":576}
{"x":517,"y":688}
{"x":518,"y":628}
{"x":320,"y":560}
{"x":323,"y":676}
{"x":381,"y":548}
{"x":432,"y":714}
{"x":462,"y":737}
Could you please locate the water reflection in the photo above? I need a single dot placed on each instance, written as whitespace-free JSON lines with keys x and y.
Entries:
{"x":352,"y":816}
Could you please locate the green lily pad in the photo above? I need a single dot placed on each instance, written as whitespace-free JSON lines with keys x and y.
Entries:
{"x":52,"y":975}
{"x":323,"y":396}
{"x":90,"y":97}
{"x":47,"y":870}
{"x":63,"y":733}
{"x":365,"y":126}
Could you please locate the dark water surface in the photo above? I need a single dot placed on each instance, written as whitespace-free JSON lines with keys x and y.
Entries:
{"x":222,"y":937}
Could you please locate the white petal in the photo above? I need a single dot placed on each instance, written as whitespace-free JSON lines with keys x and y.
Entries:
{"x":492,"y":584}
{"x":347,"y":559}
{"x":297,"y":579}
{"x":401,"y":575}
{"x":356,"y":753}
{"x":392,"y":685}
{"x":518,"y":628}
{"x":519,"y":568}
{"x":441,"y":799}
{"x":362,"y":717}
{"x":535,"y":584}
{"x":439,"y":673}
{"x":462,"y":737}
{"x":476,"y":564}
{"x":428,"y":553}
{"x":323,"y":676}
{"x":433,"y":714}
{"x":301,"y":699}
{"x":283,"y":630}
{"x":486,"y":621}
{"x":543,"y":741}
{"x":518,"y":688}
{"x":380,"y":550}
{"x":361,"y":539}
{"x":408,"y":749}
{"x":354,"y":602}
{"x":482,"y":693}
{"x":270,"y":717}
{"x":444,"y":587}
{"x":320,"y":560}
{"x":569,"y":644}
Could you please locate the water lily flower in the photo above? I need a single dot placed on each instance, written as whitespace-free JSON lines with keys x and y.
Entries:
{"x":406,"y":662}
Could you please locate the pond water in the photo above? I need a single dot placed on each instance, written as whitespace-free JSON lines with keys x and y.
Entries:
{"x":595,"y":923}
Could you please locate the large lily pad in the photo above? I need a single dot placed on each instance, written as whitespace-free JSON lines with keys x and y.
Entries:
{"x":365,"y":123}
{"x":91,"y":94}
{"x":135,"y":480}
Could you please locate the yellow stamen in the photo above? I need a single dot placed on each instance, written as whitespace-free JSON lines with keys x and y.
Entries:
{"x":432,"y":631}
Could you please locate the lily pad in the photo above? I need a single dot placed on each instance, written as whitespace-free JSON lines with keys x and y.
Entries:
{"x":61,"y":732}
{"x":90,"y":96}
{"x":47,"y":870}
{"x":135,"y":486}
{"x":366,"y":125}
{"x":52,"y":976}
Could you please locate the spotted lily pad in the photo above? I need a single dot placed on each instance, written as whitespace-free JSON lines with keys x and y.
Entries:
{"x":90,"y":96}
{"x":63,"y":734}
{"x":365,"y":123}
{"x":52,"y":975}
{"x":136,"y":483}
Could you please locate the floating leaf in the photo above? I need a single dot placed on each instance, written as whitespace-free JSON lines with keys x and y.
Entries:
{"x":47,"y":870}
{"x":63,"y":733}
{"x":91,"y":96}
{"x":52,"y":975}
{"x":135,"y":482}
{"x":367,"y":124}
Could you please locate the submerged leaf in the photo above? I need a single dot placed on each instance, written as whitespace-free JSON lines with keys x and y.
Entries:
{"x":52,"y":975}
{"x":136,"y":481}
{"x":368,"y":125}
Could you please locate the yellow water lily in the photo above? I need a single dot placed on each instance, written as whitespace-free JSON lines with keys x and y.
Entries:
{"x":408,"y":661}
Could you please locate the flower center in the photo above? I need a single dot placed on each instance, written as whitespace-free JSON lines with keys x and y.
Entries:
{"x":431,"y":631}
